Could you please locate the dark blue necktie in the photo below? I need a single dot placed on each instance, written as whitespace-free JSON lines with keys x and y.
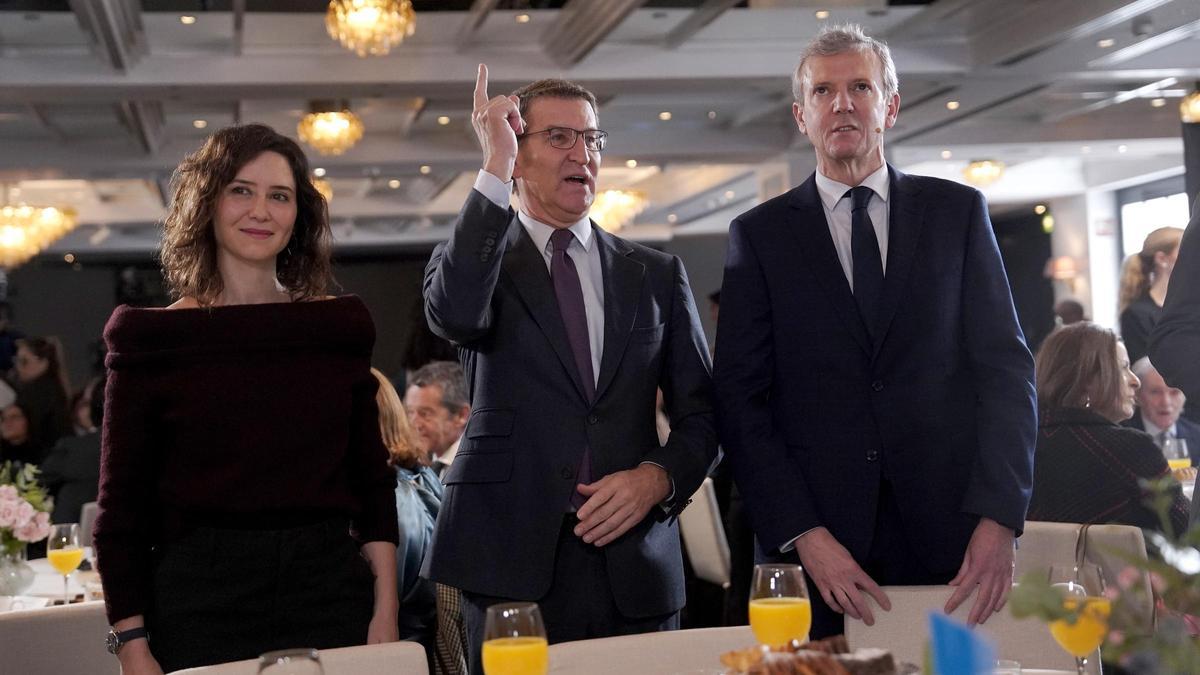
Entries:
{"x":574,"y":316}
{"x":864,"y":250}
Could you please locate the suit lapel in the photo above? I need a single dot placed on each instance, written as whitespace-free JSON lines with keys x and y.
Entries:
{"x":526,"y":266}
{"x":905,"y":222}
{"x":816,"y":245}
{"x":623,"y":278}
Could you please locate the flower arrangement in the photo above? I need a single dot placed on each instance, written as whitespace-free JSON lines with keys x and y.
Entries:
{"x":24,"y":508}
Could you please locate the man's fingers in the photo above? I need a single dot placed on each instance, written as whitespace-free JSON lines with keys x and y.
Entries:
{"x":481,"y":97}
{"x":597,"y":499}
{"x":876,"y":592}
{"x":861,"y":606}
{"x":514,"y":116}
{"x":621,"y":529}
{"x":961,"y":593}
{"x":830,"y":601}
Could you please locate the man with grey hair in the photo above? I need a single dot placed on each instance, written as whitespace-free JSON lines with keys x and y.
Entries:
{"x":1158,"y":410}
{"x":875,"y":392}
{"x":438,"y":407}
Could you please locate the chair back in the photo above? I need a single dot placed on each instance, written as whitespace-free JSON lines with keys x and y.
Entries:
{"x":87,"y":519}
{"x":703,"y":536}
{"x":407,"y":658}
{"x":56,"y":640}
{"x":678,"y":651}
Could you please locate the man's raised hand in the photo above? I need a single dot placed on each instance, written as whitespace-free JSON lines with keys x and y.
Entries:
{"x":497,"y":122}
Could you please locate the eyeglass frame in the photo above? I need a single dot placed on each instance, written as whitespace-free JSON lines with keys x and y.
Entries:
{"x":602,"y":140}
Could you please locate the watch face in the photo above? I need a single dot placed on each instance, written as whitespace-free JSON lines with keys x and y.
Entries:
{"x":111,"y":642}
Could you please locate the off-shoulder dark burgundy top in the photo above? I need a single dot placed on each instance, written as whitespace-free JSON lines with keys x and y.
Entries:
{"x":243,"y":416}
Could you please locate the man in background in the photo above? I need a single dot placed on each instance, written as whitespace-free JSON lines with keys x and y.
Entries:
{"x":1158,"y":410}
{"x":438,"y":408}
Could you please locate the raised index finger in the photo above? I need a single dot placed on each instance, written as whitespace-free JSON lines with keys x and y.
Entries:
{"x":481,"y":97}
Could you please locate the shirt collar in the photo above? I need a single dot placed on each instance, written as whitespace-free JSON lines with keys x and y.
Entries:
{"x":540,"y":232}
{"x":832,"y":191}
{"x":447,"y":457}
{"x":1153,"y":429}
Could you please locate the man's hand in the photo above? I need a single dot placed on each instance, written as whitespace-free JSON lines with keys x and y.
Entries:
{"x":987,"y":564}
{"x":619,"y":501}
{"x":839,"y":579}
{"x":497,"y":123}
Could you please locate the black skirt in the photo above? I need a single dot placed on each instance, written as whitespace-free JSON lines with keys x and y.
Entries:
{"x":226,"y":595}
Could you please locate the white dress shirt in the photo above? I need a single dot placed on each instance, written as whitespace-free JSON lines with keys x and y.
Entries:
{"x":1154,"y":430}
{"x":838,"y":215}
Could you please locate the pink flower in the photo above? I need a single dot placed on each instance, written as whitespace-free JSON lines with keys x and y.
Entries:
{"x":8,"y":493}
{"x":1115,"y":638}
{"x":25,"y":512}
{"x":1128,"y":577}
{"x":8,"y":513}
{"x":28,"y":532}
{"x":1157,"y":583}
{"x":42,"y":519}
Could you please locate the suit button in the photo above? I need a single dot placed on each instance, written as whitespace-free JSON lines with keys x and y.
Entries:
{"x":566,"y":472}
{"x":487,"y":249}
{"x":592,"y":419}
{"x":872,"y":455}
{"x":489,"y":241}
{"x":877,"y":385}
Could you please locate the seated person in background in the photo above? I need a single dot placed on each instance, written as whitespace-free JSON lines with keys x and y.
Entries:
{"x":1068,"y":311}
{"x":1087,"y":467}
{"x":71,"y":472}
{"x":418,"y":497}
{"x":43,"y":389}
{"x":17,"y":443}
{"x":1159,"y":407}
{"x":438,"y":408}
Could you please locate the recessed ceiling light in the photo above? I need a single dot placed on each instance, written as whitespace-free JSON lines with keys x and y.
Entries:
{"x":1158,"y":102}
{"x":200,"y":124}
{"x":951,"y":105}
{"x":69,"y":258}
{"x":821,"y":14}
{"x":522,"y":18}
{"x":946,"y":154}
{"x":187,"y":19}
{"x":671,"y":217}
{"x":1039,"y":209}
{"x":1086,"y":149}
{"x":631,"y":163}
{"x":1105,"y":43}
{"x":1122,"y":148}
{"x":394,"y":183}
{"x":730,"y":194}
{"x":712,"y":114}
{"x":318,"y":172}
{"x":664,"y":115}
{"x":443,"y":120}
{"x":425,"y":168}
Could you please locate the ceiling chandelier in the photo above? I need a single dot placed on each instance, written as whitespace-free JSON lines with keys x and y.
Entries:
{"x":614,"y":209}
{"x":26,"y":230}
{"x":324,"y":187}
{"x":370,"y":27}
{"x":330,"y":128}
{"x":1189,"y":107}
{"x":983,"y":172}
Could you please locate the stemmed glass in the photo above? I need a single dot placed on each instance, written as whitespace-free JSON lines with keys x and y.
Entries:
{"x":779,"y":608}
{"x":1082,"y":589}
{"x":291,"y":662}
{"x":1176,"y":452}
{"x":514,"y":640}
{"x":63,"y":552}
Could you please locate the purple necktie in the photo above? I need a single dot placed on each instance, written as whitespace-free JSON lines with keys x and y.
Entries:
{"x":574,"y":316}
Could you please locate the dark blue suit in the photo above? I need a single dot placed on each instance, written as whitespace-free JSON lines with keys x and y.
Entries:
{"x":1184,"y":429}
{"x":488,"y":290}
{"x":818,"y":420}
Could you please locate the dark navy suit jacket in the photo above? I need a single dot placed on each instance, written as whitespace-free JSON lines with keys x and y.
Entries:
{"x":489,"y":291}
{"x":1175,"y":343}
{"x":814,"y":415}
{"x":1185,"y":429}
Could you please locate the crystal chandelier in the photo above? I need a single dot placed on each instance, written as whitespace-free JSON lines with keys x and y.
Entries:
{"x":614,"y":209}
{"x":26,"y":230}
{"x":330,"y":128}
{"x":983,"y":172}
{"x":370,"y":27}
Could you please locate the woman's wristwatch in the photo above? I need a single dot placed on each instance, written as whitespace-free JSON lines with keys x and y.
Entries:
{"x":114,"y":641}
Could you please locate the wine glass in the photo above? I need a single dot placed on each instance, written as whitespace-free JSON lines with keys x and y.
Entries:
{"x":1176,"y":452}
{"x":514,"y":640}
{"x":63,"y":552}
{"x":779,"y":608}
{"x":291,"y":662}
{"x":1082,"y":589}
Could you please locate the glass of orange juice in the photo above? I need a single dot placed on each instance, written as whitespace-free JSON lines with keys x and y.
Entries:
{"x":514,"y":640}
{"x":1082,"y":632}
{"x":1176,"y":452}
{"x":63,"y":552}
{"x":779,"y":608}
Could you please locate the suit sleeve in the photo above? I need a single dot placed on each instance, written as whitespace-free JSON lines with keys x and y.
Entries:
{"x":1176,"y":338}
{"x":462,"y":273}
{"x":776,"y":494}
{"x":1002,"y":369}
{"x":691,"y":449}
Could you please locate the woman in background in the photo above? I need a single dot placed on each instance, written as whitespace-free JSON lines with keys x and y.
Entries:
{"x":43,"y":388}
{"x":16,"y":442}
{"x":246,"y":504}
{"x":1088,"y":468}
{"x":1144,"y":279}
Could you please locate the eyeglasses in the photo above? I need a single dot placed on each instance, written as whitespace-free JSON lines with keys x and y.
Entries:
{"x":565,"y":138}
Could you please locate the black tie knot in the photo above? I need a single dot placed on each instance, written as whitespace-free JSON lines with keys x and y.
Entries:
{"x":560,"y":240}
{"x":859,"y":197}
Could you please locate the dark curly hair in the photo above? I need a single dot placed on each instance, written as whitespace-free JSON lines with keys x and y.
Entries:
{"x":189,"y":246}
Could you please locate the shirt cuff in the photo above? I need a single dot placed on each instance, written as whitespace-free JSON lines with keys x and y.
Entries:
{"x":791,"y":543}
{"x":497,"y":191}
{"x":668,"y":503}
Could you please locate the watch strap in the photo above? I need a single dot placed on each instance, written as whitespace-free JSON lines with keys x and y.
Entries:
{"x":116,"y":640}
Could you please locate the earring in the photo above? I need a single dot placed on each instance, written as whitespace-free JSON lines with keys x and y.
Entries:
{"x":1087,"y":402}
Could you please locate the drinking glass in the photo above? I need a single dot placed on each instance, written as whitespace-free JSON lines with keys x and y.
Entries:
{"x":291,"y":662}
{"x":63,"y":552}
{"x":1007,"y":667}
{"x":1176,"y":452}
{"x":1082,"y":589}
{"x":514,"y":640}
{"x":779,"y":608}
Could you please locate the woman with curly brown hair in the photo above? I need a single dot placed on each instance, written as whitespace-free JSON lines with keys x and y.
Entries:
{"x":245,"y":499}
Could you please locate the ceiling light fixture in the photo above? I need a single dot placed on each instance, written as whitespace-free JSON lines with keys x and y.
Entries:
{"x":712,"y":114}
{"x":318,"y":172}
{"x":370,"y":27}
{"x":1105,"y":43}
{"x":821,"y":14}
{"x":1039,"y":209}
{"x":330,"y":128}
{"x":394,"y":183}
{"x":665,"y":116}
{"x":946,"y":154}
{"x":200,"y":124}
{"x":443,"y":120}
{"x":983,"y":172}
{"x":324,"y":187}
{"x":25,"y":230}
{"x":1122,"y":148}
{"x":952,"y":105}
{"x":631,"y":163}
{"x":1189,"y":107}
{"x":426,"y":169}
{"x":187,"y":19}
{"x":614,"y":209}
{"x":1158,"y":102}
{"x":522,"y":18}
